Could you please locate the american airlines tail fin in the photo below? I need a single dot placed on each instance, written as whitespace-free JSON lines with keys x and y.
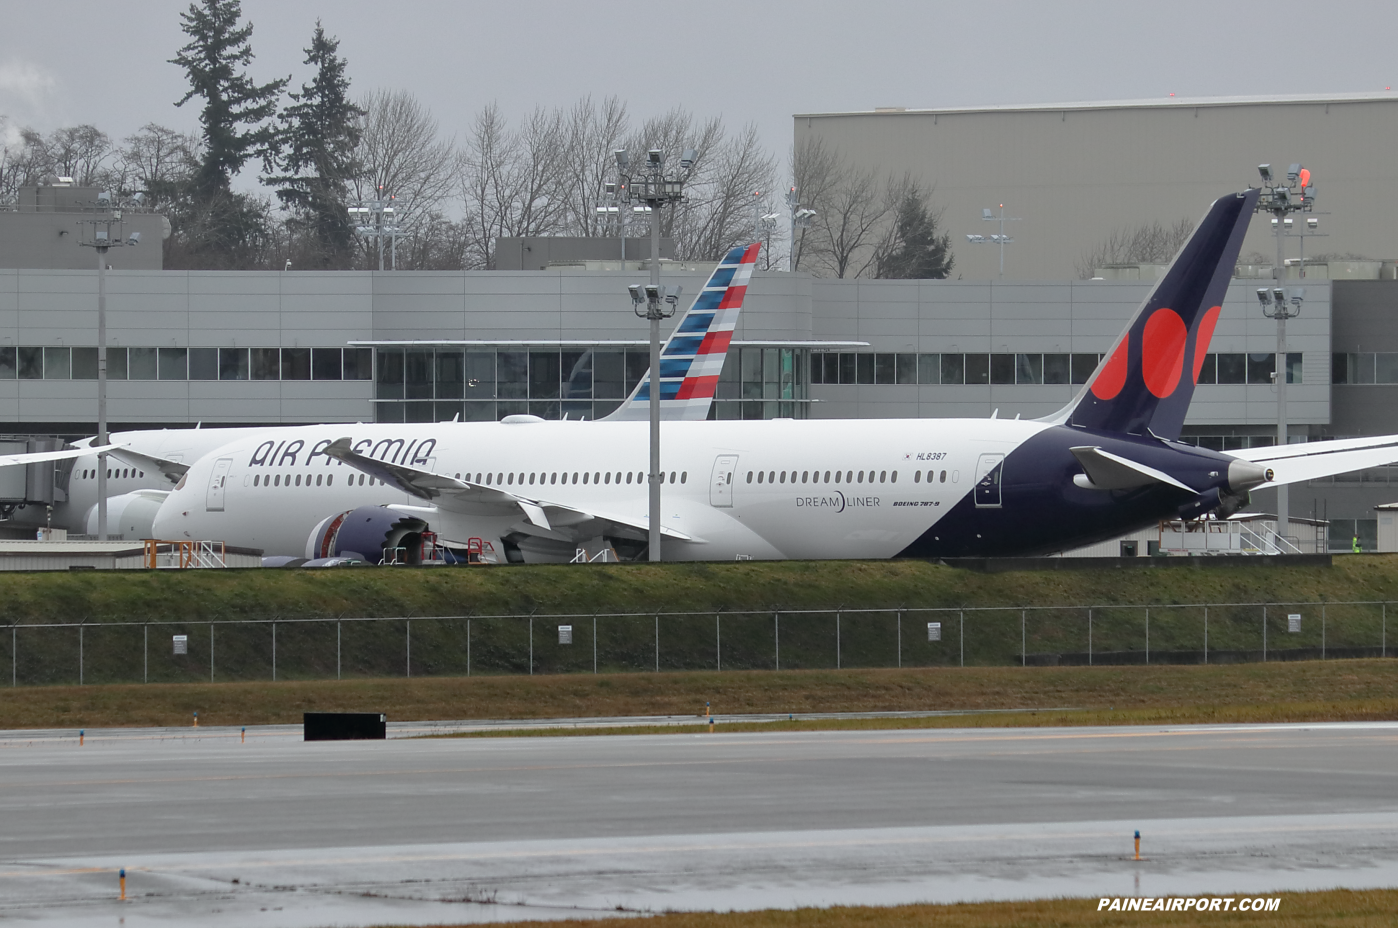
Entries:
{"x":692,"y":358}
{"x":1145,"y":383}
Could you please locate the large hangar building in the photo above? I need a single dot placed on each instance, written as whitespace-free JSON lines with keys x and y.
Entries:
{"x":1073,"y":173}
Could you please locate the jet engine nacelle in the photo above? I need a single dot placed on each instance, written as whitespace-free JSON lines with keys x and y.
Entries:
{"x":130,"y":515}
{"x":372,"y":533}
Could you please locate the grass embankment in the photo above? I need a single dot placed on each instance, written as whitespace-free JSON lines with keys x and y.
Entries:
{"x":734,"y":587}
{"x":1331,"y":909}
{"x":832,"y":631}
{"x":1356,"y":690}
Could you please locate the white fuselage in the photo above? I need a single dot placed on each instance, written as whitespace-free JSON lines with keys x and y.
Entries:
{"x":798,"y":489}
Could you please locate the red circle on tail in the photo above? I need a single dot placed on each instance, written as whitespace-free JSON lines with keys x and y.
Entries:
{"x":1112,"y":377}
{"x":1162,"y":351}
{"x":1203,"y":337}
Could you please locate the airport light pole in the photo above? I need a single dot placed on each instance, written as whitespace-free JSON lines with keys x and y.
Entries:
{"x":378,"y":219}
{"x":1281,"y":200}
{"x":651,"y":189}
{"x":106,"y":227}
{"x":1001,"y":239}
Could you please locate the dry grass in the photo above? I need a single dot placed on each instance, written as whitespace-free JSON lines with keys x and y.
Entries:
{"x":1331,"y":909}
{"x":1294,"y":691}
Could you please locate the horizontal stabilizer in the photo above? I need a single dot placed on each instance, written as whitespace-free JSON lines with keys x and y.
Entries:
{"x":1106,"y":471}
{"x":1316,"y":459}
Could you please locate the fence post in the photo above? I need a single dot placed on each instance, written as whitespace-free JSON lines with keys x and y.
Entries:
{"x":1089,"y":637}
{"x":80,"y":654}
{"x":1148,"y":634}
{"x":408,"y":653}
{"x":718,"y":641}
{"x":145,"y":652}
{"x":900,"y":638}
{"x":1322,"y":631}
{"x":961,"y":637}
{"x":594,"y":645}
{"x":468,"y":646}
{"x":211,"y":652}
{"x":531,"y":646}
{"x":1023,"y":660}
{"x":274,"y":650}
{"x":657,"y":644}
{"x":837,"y":639}
{"x":1264,"y":634}
{"x":1206,"y":633}
{"x":1383,"y":633}
{"x":777,"y":637}
{"x":337,"y":651}
{"x":14,"y":655}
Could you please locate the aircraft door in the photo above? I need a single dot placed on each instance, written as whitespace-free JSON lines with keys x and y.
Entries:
{"x":988,"y":472}
{"x":213,"y":500}
{"x":721,"y":484}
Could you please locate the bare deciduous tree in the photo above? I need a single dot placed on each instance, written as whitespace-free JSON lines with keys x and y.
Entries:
{"x":594,"y":133}
{"x":512,"y":182}
{"x":400,"y":154}
{"x":1147,"y":243}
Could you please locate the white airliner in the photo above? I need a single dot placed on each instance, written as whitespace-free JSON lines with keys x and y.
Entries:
{"x":1106,"y":464}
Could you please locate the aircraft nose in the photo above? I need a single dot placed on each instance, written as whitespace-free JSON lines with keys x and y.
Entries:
{"x":1244,"y":475}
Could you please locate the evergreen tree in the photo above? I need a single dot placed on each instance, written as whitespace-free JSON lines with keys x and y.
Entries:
{"x":916,"y":251}
{"x":224,"y":229}
{"x":319,"y":137}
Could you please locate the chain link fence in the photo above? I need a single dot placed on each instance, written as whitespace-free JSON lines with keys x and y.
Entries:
{"x":337,"y":648}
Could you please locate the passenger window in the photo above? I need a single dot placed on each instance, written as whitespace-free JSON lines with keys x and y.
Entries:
{"x":143,"y":473}
{"x":511,"y":481}
{"x":837,"y":476}
{"x":917,"y":476}
{"x":329,"y":479}
{"x":955,"y":476}
{"x":749,"y":476}
{"x":628,"y":476}
{"x":783,"y":477}
{"x":553,"y":478}
{"x":672,"y":476}
{"x":575,"y":476}
{"x":860,"y":478}
{"x":277,"y":480}
{"x":609,"y":478}
{"x":298,"y":480}
{"x":943,"y":478}
{"x":256,"y":480}
{"x":883,"y":476}
{"x":761,"y":477}
{"x":319,"y":477}
{"x":684,"y":475}
{"x":585,"y":476}
{"x":849,"y":476}
{"x":771,"y":476}
{"x":531,"y":479}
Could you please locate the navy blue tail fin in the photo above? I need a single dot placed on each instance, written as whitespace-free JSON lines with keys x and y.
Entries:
{"x":1147,"y":380}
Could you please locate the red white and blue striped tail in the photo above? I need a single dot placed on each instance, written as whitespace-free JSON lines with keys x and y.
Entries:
{"x":692,"y":359}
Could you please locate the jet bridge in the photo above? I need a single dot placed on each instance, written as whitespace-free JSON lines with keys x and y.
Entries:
{"x":41,"y":484}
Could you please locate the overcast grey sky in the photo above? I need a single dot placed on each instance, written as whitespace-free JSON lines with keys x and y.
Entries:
{"x":64,"y":62}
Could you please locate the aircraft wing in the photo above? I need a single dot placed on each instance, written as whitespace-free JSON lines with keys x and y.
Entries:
{"x":1316,"y":459}
{"x":38,"y":457}
{"x":173,"y":470}
{"x":456,"y":495}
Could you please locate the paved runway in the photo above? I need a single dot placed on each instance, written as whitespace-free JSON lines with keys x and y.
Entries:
{"x":281,"y":833}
